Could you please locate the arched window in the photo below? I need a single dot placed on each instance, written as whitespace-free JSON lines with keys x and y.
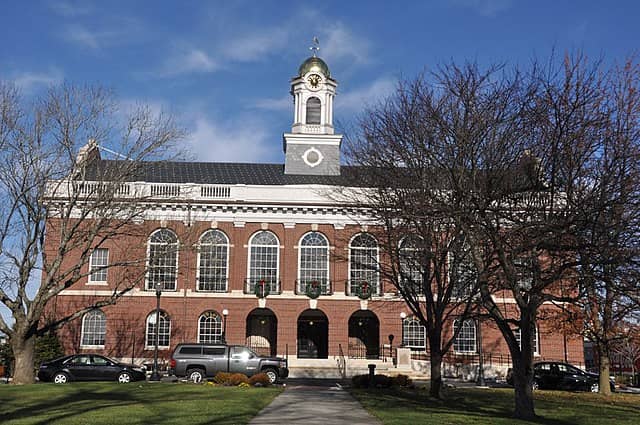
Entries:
{"x":313,"y":262}
{"x":163,"y":260}
{"x":313,"y":110}
{"x":465,"y":342}
{"x":535,"y":346}
{"x":411,"y":263}
{"x":413,"y":333}
{"x":164,"y":330}
{"x":363,"y":263}
{"x":210,"y":328}
{"x":94,"y":329}
{"x":213,"y":254}
{"x":264,"y":260}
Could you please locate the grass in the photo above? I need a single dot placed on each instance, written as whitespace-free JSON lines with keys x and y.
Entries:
{"x":495,"y":406}
{"x":135,"y":403}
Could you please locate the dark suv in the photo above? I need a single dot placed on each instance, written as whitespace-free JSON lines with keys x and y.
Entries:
{"x":198,"y":361}
{"x":562,"y":376}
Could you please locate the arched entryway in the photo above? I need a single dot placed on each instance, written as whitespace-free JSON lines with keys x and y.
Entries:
{"x":262,"y":332}
{"x":364,"y":335}
{"x":313,"y":335}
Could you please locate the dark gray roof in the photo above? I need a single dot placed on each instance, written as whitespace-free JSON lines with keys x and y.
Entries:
{"x":219,"y":173}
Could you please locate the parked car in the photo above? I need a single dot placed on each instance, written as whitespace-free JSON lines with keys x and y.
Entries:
{"x":199,"y":361}
{"x":89,"y":367}
{"x":562,"y":376}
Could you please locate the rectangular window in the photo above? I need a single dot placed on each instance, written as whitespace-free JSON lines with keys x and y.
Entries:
{"x":98,"y":262}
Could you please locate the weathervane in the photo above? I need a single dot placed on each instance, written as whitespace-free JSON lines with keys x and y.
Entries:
{"x":315,"y":47}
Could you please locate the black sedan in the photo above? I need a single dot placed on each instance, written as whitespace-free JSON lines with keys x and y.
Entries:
{"x":563,"y":376}
{"x":89,"y":367}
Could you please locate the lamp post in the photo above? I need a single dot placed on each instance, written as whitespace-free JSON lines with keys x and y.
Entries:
{"x":155,"y":376}
{"x":403,"y":316}
{"x":225,"y":313}
{"x":480,"y":356}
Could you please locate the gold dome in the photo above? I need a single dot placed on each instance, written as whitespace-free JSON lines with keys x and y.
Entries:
{"x":314,"y":64}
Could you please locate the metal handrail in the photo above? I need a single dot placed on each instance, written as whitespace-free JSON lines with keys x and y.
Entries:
{"x":350,"y":287}
{"x":272,"y":284}
{"x":325,"y":285}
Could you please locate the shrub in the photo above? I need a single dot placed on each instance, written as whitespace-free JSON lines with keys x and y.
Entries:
{"x":379,"y":381}
{"x":402,"y":381}
{"x":260,"y":380}
{"x":230,"y":379}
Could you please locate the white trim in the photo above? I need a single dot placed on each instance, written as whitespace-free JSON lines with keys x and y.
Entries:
{"x":200,"y":317}
{"x":90,"y":280}
{"x":300,"y":248}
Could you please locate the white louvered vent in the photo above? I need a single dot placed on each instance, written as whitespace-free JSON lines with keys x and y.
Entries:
{"x":215,"y":191}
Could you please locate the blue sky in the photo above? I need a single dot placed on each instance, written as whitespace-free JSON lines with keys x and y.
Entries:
{"x":224,"y":67}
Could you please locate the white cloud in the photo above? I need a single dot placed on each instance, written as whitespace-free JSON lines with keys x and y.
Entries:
{"x":30,"y":81}
{"x":210,"y":141}
{"x":339,"y":43}
{"x":69,"y":8}
{"x":188,"y":61}
{"x":356,"y":100}
{"x":80,"y":35}
{"x":284,"y":103}
{"x":95,"y":37}
{"x":253,"y":47}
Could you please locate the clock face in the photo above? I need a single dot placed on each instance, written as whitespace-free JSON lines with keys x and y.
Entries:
{"x":314,"y":80}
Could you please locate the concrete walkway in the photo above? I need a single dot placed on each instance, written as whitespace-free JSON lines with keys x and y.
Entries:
{"x":314,"y":403}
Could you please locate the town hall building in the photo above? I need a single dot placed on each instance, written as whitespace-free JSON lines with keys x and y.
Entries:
{"x":264,"y":255}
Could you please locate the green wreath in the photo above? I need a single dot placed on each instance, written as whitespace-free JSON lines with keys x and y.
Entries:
{"x":364,"y":290}
{"x":262,"y":289}
{"x":313,"y":289}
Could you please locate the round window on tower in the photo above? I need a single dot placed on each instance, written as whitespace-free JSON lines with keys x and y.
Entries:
{"x":312,"y":157}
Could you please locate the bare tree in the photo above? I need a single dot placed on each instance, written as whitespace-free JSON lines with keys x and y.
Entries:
{"x":629,"y":349}
{"x":46,"y":188}
{"x":517,"y":157}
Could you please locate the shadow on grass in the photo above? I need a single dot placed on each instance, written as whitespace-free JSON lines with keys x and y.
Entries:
{"x":131,"y":403}
{"x":469,"y":406}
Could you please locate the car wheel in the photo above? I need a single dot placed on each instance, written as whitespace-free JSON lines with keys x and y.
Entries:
{"x":272,"y":375}
{"x":124,"y":378}
{"x":595,"y":388}
{"x":195,"y":375}
{"x":535,"y":386}
{"x":60,"y":378}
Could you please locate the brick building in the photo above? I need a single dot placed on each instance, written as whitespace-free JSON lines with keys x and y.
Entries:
{"x":263,"y":255}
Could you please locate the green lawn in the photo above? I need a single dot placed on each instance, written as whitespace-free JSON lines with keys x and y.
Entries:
{"x":495,"y":406}
{"x":135,"y":403}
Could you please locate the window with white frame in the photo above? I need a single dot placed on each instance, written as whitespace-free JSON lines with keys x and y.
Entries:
{"x":313,"y":262}
{"x":264,"y":258}
{"x":164,"y":330}
{"x":213,"y":254}
{"x":465,"y":342}
{"x":94,"y":329}
{"x":462,"y":272}
{"x":413,"y":333}
{"x":98,"y":261}
{"x":411,"y":257}
{"x":210,"y":328}
{"x":535,"y":347}
{"x":163,"y":260}
{"x":363,"y":263}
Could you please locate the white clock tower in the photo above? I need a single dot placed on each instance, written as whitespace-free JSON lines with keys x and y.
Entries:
{"x":312,"y":147}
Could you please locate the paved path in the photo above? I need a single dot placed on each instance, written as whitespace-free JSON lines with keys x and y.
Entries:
{"x":314,"y":403}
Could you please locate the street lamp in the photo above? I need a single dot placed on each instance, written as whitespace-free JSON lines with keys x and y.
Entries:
{"x":481,"y":382}
{"x":225,"y":313}
{"x":403,"y":316}
{"x":155,"y":376}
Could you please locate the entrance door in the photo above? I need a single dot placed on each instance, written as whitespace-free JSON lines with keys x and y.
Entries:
{"x":313,"y":335}
{"x":364,"y":335}
{"x":262,"y":332}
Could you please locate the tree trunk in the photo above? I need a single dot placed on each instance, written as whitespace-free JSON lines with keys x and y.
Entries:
{"x":522,"y":380}
{"x":435,"y":390}
{"x":23,"y":352}
{"x":605,"y":389}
